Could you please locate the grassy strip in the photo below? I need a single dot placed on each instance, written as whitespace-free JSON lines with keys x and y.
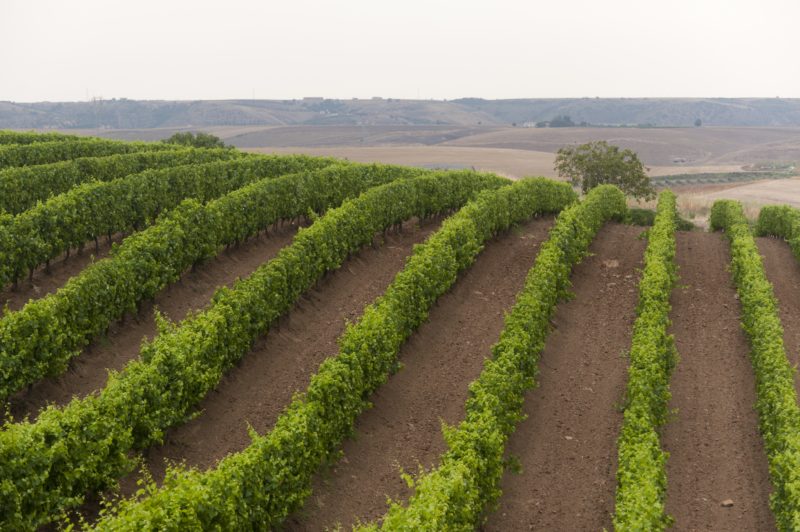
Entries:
{"x":29,"y":137}
{"x":258,"y":487}
{"x":456,"y":495}
{"x":641,"y":472}
{"x":51,"y":464}
{"x":51,"y":152}
{"x":720,"y":177}
{"x":40,"y":339}
{"x":23,"y":186}
{"x":779,"y":415}
{"x":91,"y":210}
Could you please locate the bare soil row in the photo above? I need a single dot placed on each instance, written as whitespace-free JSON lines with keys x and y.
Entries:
{"x":89,"y":371}
{"x":48,"y":280}
{"x":567,"y":444}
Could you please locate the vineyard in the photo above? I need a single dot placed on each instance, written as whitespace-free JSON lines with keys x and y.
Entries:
{"x":205,"y":339}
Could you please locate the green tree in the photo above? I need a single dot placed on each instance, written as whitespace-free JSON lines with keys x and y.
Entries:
{"x":597,"y":163}
{"x":198,"y":140}
{"x":562,"y":121}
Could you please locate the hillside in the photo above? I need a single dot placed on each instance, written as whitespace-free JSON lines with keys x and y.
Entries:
{"x":661,"y":112}
{"x":382,"y":304}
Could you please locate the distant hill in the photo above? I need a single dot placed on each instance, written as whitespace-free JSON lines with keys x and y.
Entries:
{"x":643,"y":112}
{"x":658,"y":112}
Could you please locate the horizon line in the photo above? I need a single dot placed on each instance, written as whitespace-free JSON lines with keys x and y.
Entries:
{"x":388,"y":98}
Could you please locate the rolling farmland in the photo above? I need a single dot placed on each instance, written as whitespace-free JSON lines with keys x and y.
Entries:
{"x":206,"y":339}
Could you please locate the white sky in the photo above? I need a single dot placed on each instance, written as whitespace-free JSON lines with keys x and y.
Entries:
{"x":199,"y":49}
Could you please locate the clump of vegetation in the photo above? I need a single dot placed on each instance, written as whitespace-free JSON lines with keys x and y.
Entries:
{"x":559,"y":121}
{"x":597,"y":163}
{"x":684,"y":224}
{"x":643,"y":217}
{"x":646,"y":218}
{"x":197,"y":140}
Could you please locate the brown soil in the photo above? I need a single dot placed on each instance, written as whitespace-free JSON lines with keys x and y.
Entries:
{"x":567,"y":445}
{"x":61,"y":270}
{"x":716,"y":452}
{"x":783,"y":271}
{"x":402,"y":430}
{"x":88,"y":372}
{"x":282,"y":362}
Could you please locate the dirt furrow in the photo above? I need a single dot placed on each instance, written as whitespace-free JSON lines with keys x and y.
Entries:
{"x":281,"y":363}
{"x":783,"y":271}
{"x":567,"y":445}
{"x":402,"y":431}
{"x":716,"y":452}
{"x":62,"y":270}
{"x":89,"y":371}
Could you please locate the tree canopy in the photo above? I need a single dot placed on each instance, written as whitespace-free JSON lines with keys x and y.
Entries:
{"x":597,"y":163}
{"x":559,"y":121}
{"x":198,"y":140}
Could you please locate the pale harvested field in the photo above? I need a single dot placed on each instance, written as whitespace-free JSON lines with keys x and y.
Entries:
{"x":517,"y":152}
{"x":768,"y":192}
{"x":708,"y":147}
{"x":509,"y":162}
{"x":695,"y":201}
{"x":657,"y":147}
{"x":703,"y":146}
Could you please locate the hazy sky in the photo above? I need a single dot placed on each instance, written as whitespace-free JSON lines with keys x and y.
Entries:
{"x":198,"y":49}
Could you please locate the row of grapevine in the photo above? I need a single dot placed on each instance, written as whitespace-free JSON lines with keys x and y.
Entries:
{"x":21,"y":187}
{"x":62,"y":150}
{"x":455,"y":495}
{"x":29,"y":137}
{"x":641,"y":470}
{"x":91,"y":210}
{"x":783,"y":222}
{"x":41,"y":338}
{"x":779,"y":415}
{"x":51,"y":464}
{"x":257,"y":488}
